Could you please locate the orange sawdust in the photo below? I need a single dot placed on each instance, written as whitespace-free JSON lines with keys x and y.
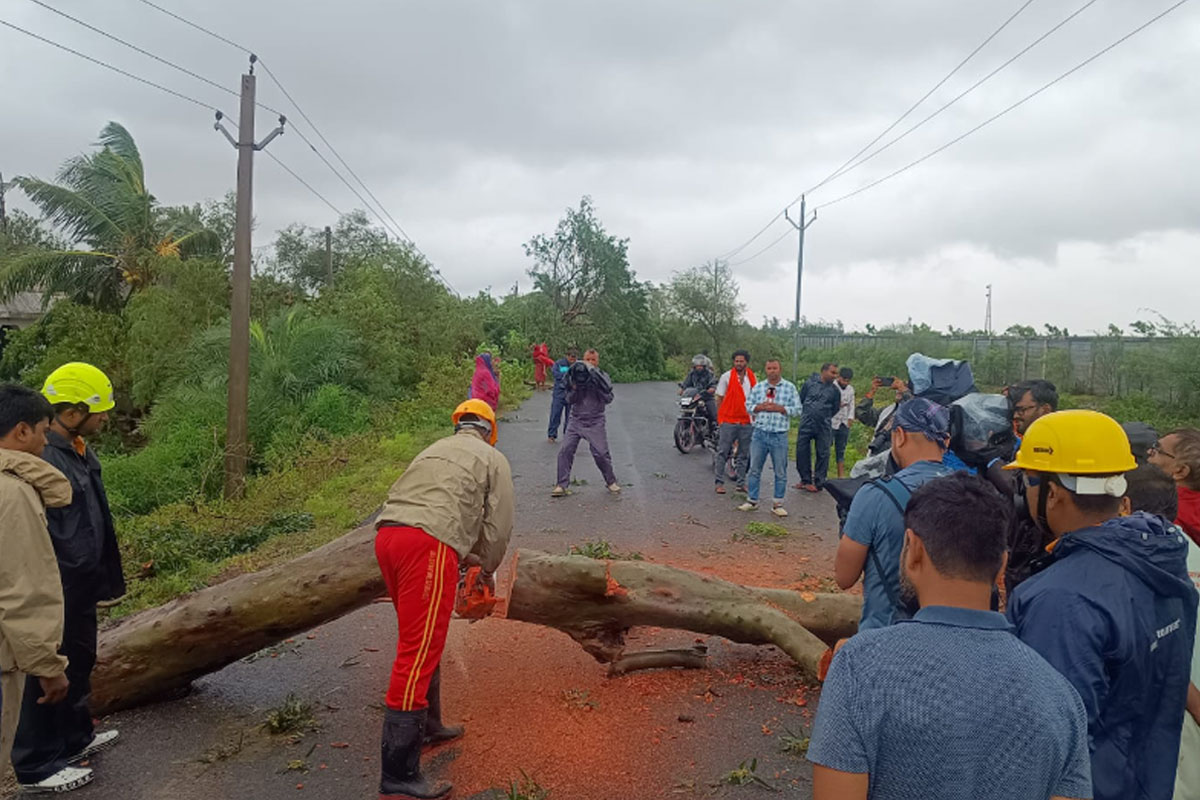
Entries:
{"x":611,"y":587}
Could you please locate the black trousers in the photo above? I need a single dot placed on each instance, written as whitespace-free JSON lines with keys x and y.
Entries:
{"x":822,"y":436}
{"x":48,"y":735}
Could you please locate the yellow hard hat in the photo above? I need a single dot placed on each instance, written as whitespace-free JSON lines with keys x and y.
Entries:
{"x":1076,"y":442}
{"x":479,"y":409}
{"x":78,"y":382}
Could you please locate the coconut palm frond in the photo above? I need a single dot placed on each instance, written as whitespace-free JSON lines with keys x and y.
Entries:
{"x":82,"y":275}
{"x":79,"y":216}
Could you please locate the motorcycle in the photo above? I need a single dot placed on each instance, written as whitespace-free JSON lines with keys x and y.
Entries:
{"x":693,"y":426}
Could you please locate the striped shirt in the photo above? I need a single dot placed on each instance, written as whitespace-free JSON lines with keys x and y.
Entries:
{"x":785,"y":394}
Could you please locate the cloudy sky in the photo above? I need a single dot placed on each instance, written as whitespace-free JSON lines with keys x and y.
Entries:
{"x":690,"y":124}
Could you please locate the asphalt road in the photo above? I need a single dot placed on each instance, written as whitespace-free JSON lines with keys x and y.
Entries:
{"x":533,"y":701}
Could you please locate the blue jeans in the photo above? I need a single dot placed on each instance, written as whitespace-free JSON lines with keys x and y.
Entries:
{"x":762,"y":443}
{"x":841,"y":437}
{"x":560,"y":412}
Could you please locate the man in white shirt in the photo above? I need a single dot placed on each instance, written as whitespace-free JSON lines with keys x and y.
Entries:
{"x":841,"y":421}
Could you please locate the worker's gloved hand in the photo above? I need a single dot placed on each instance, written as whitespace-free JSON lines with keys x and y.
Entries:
{"x":489,"y":580}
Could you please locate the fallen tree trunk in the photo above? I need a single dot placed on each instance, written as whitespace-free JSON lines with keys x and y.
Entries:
{"x":163,"y":649}
{"x":597,"y":602}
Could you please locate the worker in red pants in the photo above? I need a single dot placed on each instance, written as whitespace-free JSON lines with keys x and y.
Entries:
{"x":454,"y":504}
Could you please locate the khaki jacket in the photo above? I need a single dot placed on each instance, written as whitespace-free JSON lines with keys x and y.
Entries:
{"x":459,"y":490}
{"x":31,"y":598}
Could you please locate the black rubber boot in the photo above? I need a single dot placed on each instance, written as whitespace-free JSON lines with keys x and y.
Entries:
{"x":435,"y":732}
{"x":401,"y":777}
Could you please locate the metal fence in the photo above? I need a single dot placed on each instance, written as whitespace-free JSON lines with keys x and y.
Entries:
{"x":1107,"y":365}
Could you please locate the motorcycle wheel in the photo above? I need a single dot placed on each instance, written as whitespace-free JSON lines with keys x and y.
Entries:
{"x":685,"y":436}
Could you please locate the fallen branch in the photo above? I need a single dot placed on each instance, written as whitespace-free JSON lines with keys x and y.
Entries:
{"x":693,"y":658}
{"x":597,"y":602}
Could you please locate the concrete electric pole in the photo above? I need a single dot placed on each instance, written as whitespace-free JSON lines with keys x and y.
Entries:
{"x":800,"y":226}
{"x":236,"y":425}
{"x":329,"y":257}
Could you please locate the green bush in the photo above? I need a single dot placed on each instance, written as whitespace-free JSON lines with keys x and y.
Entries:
{"x":68,"y":332}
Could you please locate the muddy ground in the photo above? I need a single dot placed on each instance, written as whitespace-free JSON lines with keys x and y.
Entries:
{"x":534,"y":703}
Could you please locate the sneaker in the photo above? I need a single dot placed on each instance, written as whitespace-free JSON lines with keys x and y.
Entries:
{"x":64,"y":780}
{"x":558,"y":492}
{"x":779,"y":510}
{"x":748,"y":506}
{"x":99,"y":742}
{"x":614,"y":487}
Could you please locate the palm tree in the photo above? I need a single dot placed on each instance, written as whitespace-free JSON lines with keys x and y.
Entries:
{"x":117,"y":229}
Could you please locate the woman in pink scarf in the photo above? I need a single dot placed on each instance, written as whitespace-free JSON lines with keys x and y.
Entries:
{"x":484,"y":385}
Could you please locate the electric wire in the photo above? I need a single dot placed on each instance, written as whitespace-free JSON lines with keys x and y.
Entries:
{"x":394,"y":227}
{"x":954,"y":100}
{"x":174,"y":93}
{"x":748,"y":259}
{"x":108,"y":66}
{"x":1001,"y":113}
{"x":200,"y":28}
{"x":845,"y":167}
{"x":132,"y":46}
{"x":303,"y":182}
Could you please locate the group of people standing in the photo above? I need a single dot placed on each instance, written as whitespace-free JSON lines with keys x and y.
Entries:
{"x":1029,"y":632}
{"x":754,"y":417}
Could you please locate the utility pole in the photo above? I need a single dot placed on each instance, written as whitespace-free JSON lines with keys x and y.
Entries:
{"x":329,"y":257}
{"x":3,"y":210}
{"x":987,"y":320}
{"x":800,"y":226}
{"x":236,"y":425}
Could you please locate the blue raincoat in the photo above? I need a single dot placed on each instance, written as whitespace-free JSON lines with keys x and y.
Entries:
{"x":1115,"y":613}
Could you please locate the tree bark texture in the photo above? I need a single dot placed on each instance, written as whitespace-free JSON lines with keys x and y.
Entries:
{"x":152,"y":653}
{"x":597,"y":602}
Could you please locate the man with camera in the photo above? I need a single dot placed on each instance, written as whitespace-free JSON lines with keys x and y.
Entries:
{"x":589,"y":391}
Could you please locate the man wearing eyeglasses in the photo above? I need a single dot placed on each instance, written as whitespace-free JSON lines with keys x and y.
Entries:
{"x":1030,"y":401}
{"x":1178,"y":454}
{"x":1115,"y":610}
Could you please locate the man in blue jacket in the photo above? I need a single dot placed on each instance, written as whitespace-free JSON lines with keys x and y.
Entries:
{"x":560,"y":412}
{"x":1113,"y":610}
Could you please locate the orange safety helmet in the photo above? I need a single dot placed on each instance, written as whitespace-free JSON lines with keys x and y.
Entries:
{"x":479,"y":409}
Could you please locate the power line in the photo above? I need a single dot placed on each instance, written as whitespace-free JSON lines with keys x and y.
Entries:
{"x":395,"y":228}
{"x":837,"y":172}
{"x":969,"y":89}
{"x":200,"y":28}
{"x":1000,"y":114}
{"x":108,"y":66}
{"x":843,"y":168}
{"x":131,"y":46}
{"x":783,"y":236}
{"x":303,"y":182}
{"x":332,"y":149}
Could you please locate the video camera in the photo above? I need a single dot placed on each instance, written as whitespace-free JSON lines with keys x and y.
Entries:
{"x":579,"y":373}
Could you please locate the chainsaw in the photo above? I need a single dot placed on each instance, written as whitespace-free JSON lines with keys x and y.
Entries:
{"x":475,"y":599}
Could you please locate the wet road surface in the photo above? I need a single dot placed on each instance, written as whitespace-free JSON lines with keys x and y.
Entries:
{"x":532,"y":700}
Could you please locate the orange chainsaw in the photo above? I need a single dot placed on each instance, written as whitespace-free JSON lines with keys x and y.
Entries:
{"x":475,"y":599}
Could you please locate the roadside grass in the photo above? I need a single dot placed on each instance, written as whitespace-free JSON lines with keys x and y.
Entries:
{"x":328,"y":488}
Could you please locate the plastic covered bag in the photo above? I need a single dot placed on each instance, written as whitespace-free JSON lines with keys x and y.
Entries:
{"x":942,"y":380}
